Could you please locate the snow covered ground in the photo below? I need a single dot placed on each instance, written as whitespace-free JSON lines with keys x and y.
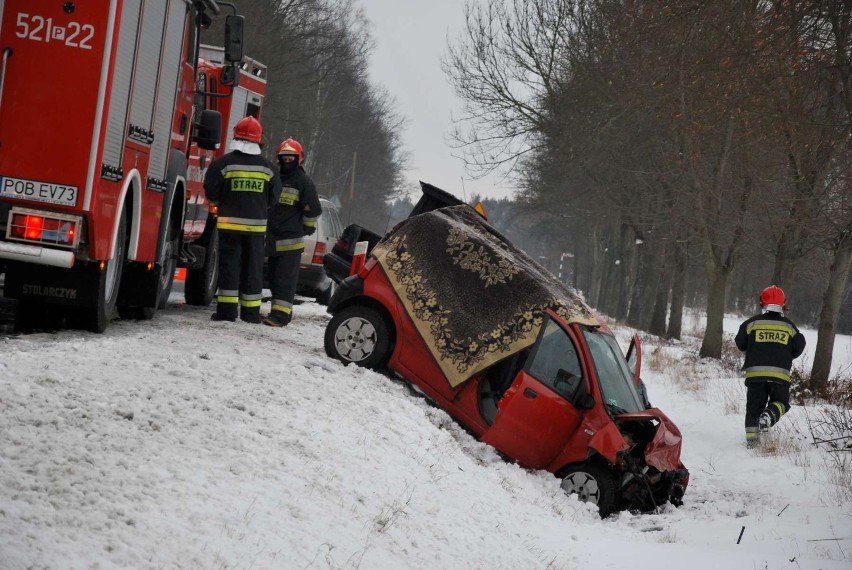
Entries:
{"x":184,"y":443}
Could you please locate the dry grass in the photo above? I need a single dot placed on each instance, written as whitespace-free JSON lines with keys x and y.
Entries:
{"x":840,"y":476}
{"x":731,"y":357}
{"x":837,"y":391}
{"x":778,"y":443}
{"x":681,"y":373}
{"x":733,"y":398}
{"x":831,"y":429}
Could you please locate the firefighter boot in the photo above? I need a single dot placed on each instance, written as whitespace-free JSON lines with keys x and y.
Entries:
{"x":277,"y":319}
{"x":764,"y":422}
{"x":250,"y":315}
{"x":752,"y":437}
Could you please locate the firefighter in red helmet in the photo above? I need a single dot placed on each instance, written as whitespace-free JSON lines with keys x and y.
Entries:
{"x":293,"y":216}
{"x":770,"y":341}
{"x":243,"y":185}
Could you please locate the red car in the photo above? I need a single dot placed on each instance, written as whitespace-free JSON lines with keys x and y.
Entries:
{"x":513,"y":355}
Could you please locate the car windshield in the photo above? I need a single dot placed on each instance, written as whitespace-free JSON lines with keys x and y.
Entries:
{"x":617,"y":385}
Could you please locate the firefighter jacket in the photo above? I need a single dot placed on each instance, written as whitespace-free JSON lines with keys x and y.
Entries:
{"x":294,"y":215}
{"x":771,"y":342}
{"x":243,"y":186}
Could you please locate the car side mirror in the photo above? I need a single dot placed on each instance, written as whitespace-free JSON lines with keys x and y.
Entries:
{"x":570,"y":386}
{"x":584,"y":402}
{"x":234,"y":38}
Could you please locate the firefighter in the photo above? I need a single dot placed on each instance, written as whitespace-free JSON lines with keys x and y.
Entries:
{"x":243,"y":185}
{"x":770,"y":341}
{"x":293,"y":217}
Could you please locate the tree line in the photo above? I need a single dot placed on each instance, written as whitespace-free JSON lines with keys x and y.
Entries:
{"x":684,"y":153}
{"x":318,"y":92}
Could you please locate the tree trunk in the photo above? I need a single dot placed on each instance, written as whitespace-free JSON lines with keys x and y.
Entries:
{"x":596,"y":269}
{"x":652,"y":273}
{"x":678,"y":293}
{"x":831,"y":300}
{"x":637,"y":289}
{"x":610,"y":276}
{"x":717,"y":281}
{"x":621,"y":261}
{"x":657,"y":324}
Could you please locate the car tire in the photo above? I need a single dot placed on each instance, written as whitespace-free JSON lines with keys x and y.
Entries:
{"x":593,"y":483}
{"x":358,"y":334}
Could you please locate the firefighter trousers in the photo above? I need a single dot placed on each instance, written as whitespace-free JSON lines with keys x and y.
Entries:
{"x":283,"y":276}
{"x":240,"y":276}
{"x":763,"y":395}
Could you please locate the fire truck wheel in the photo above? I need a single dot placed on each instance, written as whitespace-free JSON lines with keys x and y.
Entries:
{"x":200,"y":285}
{"x":167,"y":277}
{"x":106,"y":282}
{"x":358,"y":334}
{"x":593,"y":483}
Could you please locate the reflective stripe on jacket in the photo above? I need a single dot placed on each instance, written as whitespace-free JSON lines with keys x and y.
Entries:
{"x":297,"y":209}
{"x":243,"y":186}
{"x":771,"y":342}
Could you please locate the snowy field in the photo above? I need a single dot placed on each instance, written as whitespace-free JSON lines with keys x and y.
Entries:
{"x":183,"y":443}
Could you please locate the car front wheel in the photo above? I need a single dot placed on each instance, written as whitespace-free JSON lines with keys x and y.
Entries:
{"x":592,"y":483}
{"x":358,"y":334}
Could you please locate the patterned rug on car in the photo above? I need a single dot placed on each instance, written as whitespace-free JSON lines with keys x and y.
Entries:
{"x":474,"y":297}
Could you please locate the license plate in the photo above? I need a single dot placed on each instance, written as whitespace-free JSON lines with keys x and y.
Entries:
{"x":46,"y":192}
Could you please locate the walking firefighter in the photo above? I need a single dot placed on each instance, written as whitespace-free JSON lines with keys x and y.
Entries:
{"x":770,"y":341}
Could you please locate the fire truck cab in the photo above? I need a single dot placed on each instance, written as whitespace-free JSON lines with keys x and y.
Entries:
{"x":97,"y":118}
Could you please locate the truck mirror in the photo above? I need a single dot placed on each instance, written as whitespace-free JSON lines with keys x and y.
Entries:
{"x":230,"y":75}
{"x":234,"y":38}
{"x":208,"y":131}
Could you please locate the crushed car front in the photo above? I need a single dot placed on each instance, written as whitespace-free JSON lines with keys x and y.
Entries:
{"x":649,"y":459}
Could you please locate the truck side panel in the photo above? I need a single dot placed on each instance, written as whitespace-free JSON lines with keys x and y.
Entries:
{"x":48,"y":113}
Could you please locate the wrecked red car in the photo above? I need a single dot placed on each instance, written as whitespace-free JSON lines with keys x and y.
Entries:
{"x":513,"y":355}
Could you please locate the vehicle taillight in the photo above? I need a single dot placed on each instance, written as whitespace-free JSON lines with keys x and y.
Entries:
{"x":319,"y":253}
{"x":342,"y":244}
{"x":43,"y":227}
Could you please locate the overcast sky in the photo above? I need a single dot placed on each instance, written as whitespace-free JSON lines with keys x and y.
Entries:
{"x":410,"y":38}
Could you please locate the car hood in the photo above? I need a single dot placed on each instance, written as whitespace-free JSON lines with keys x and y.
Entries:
{"x":663,"y":451}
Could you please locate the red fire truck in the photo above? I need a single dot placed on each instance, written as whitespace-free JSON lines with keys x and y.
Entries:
{"x":98,"y":112}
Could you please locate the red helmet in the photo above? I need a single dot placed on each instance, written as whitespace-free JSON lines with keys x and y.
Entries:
{"x":248,"y":129}
{"x":291,"y":146}
{"x":773,"y":295}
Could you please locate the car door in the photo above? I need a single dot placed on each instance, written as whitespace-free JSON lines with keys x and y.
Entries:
{"x":634,"y":358}
{"x":634,"y":363}
{"x":535,"y":419}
